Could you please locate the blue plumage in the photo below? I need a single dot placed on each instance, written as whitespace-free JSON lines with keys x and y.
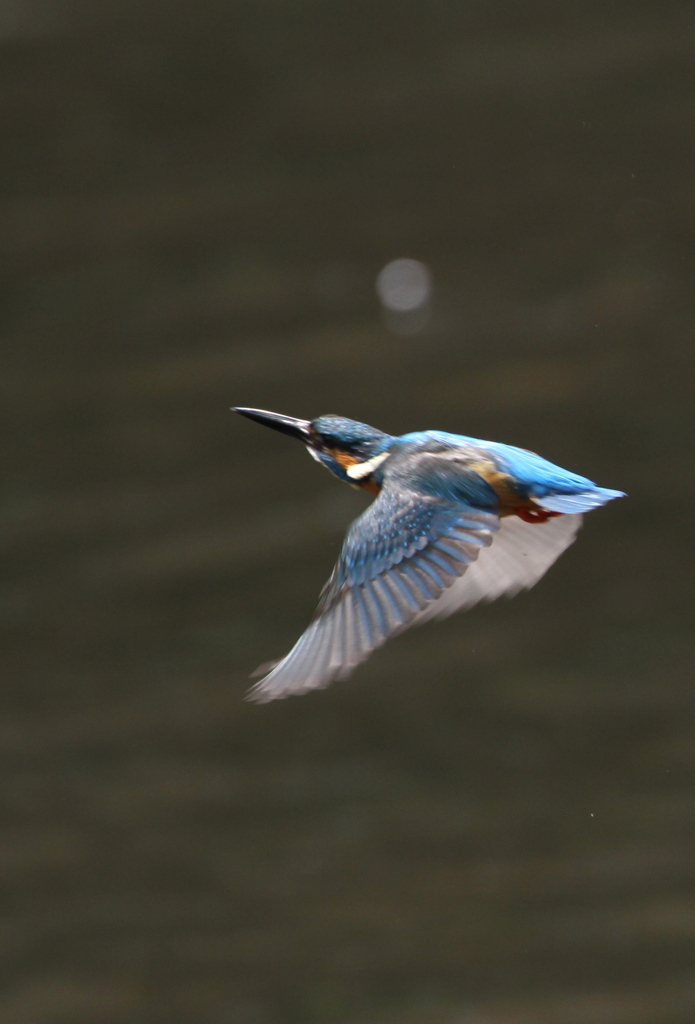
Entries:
{"x":532,"y":474}
{"x":456,"y":520}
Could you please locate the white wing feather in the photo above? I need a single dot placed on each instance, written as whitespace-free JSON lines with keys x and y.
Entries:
{"x":517,"y":558}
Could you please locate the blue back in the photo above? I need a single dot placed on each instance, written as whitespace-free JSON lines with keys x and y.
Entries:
{"x":534,"y":475}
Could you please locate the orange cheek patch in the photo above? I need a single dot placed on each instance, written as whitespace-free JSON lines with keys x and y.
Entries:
{"x":343,"y":459}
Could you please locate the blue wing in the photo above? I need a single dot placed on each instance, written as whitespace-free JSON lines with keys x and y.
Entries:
{"x":398,"y":558}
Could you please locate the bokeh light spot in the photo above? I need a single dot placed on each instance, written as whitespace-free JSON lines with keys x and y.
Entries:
{"x":404,"y":285}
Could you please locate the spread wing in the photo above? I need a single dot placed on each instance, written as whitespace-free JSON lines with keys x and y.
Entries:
{"x":521,"y":553}
{"x":410,"y":557}
{"x":402,"y":554}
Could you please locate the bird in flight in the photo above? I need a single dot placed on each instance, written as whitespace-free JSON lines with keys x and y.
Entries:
{"x":455,"y":521}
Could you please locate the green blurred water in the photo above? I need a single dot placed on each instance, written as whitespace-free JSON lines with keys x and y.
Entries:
{"x":492,"y":822}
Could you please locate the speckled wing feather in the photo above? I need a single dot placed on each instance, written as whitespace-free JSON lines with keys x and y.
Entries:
{"x":401,"y":555}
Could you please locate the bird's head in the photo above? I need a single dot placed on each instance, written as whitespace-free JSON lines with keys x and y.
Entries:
{"x":342,"y":445}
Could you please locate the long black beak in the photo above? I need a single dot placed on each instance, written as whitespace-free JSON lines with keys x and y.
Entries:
{"x":285,"y":424}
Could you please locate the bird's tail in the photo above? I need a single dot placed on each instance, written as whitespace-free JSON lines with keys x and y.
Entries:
{"x":582,"y":502}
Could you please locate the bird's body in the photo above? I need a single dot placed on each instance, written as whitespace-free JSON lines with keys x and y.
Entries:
{"x":456,"y":520}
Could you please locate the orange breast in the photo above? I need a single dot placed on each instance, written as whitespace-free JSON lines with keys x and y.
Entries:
{"x":369,"y":484}
{"x":501,"y":484}
{"x":510,"y":502}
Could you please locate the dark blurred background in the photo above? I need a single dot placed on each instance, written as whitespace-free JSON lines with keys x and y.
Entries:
{"x":493,"y":822}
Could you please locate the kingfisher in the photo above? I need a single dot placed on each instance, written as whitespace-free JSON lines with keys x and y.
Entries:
{"x":455,"y":521}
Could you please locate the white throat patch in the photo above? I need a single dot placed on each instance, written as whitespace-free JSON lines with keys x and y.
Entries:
{"x":362,"y":469}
